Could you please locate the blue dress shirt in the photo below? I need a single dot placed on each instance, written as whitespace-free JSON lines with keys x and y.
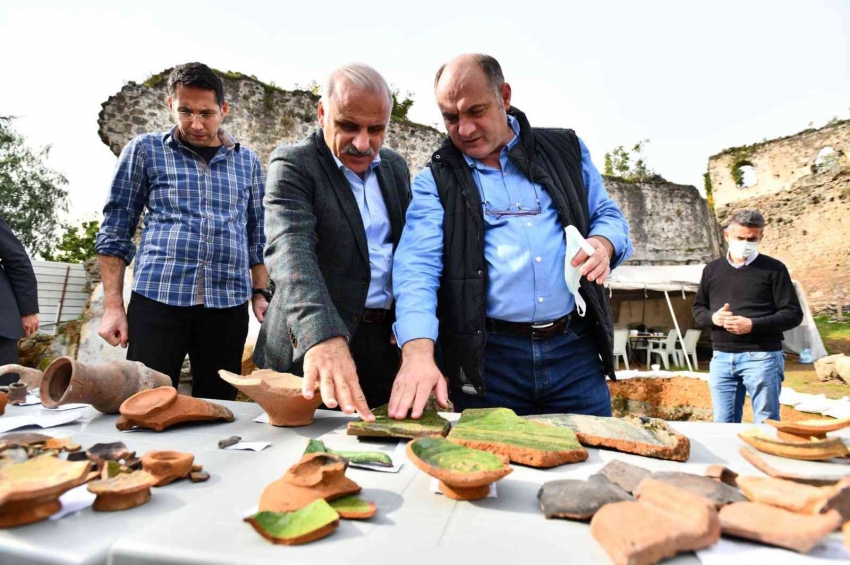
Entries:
{"x":525,"y":254}
{"x":376,"y":220}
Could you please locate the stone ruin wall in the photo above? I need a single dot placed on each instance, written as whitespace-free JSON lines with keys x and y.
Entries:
{"x":807,"y":208}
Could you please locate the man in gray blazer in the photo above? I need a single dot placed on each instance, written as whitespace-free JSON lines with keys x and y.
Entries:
{"x":335,"y":206}
{"x":18,"y":298}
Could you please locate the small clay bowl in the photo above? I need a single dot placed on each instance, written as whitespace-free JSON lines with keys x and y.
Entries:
{"x":167,"y":466}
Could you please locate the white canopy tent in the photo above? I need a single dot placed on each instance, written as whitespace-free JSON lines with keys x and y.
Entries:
{"x":686,"y":278}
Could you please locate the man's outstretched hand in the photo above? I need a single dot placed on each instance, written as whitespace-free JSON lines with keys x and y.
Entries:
{"x":330,"y":363}
{"x":416,"y":379}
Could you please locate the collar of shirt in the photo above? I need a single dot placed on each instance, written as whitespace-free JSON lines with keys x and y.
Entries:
{"x":749,"y":260}
{"x":372,"y":165}
{"x":229,"y":142}
{"x":503,"y":155}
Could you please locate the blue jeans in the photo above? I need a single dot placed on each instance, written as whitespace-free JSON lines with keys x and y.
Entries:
{"x":733,"y":375}
{"x":559,"y":375}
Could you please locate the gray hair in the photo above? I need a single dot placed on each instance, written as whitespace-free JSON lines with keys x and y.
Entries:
{"x":747,"y":218}
{"x":361,"y":78}
{"x":488,"y":65}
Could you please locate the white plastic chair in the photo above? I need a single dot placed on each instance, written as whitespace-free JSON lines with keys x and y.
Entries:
{"x":621,"y":340}
{"x":664,"y":349}
{"x":691,"y":339}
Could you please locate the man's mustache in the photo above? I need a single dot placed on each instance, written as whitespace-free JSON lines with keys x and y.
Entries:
{"x":351,"y":150}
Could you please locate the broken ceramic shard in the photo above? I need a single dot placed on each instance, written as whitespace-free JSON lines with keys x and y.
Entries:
{"x":160,"y":408}
{"x":464,"y":473}
{"x":30,"y":491}
{"x":720,"y":494}
{"x":227,"y":442}
{"x":578,"y":500}
{"x":809,"y":427}
{"x":501,"y":431}
{"x":722,"y":474}
{"x":315,"y":476}
{"x":759,"y":463}
{"x":167,"y":466}
{"x":665,"y":520}
{"x":4,"y":398}
{"x":17,"y":393}
{"x":30,"y":377}
{"x":122,"y":492}
{"x":776,"y":526}
{"x":353,"y":508}
{"x":103,"y":386}
{"x":199,"y":476}
{"x":650,"y":437}
{"x":312,"y":522}
{"x":22,"y":439}
{"x":362,"y":457}
{"x":101,"y":453}
{"x":810,"y":450}
{"x":279,"y":394}
{"x":430,"y":424}
{"x":624,"y":475}
{"x":803,"y":499}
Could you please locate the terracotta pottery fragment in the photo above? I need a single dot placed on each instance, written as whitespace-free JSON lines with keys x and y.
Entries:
{"x":777,"y":526}
{"x":4,"y":398}
{"x":501,"y":431}
{"x":103,"y":386}
{"x":650,"y":437}
{"x":30,"y":377}
{"x":430,"y":424}
{"x":199,"y":476}
{"x":101,"y":453}
{"x":162,"y":407}
{"x":722,"y":474}
{"x":838,"y":499}
{"x":810,"y":450}
{"x":624,"y":475}
{"x":122,"y":492}
{"x":30,"y":491}
{"x":22,"y":439}
{"x":363,"y":457}
{"x":197,"y":468}
{"x":759,"y":463}
{"x":578,"y":500}
{"x":227,"y":442}
{"x":167,"y":466}
{"x":279,"y":394}
{"x":17,"y":393}
{"x":795,"y":438}
{"x":464,"y":473}
{"x":791,"y":496}
{"x":809,"y":427}
{"x":845,"y":531}
{"x":315,"y":476}
{"x":312,"y":522}
{"x":665,"y":520}
{"x":720,"y":494}
{"x":354,"y":508}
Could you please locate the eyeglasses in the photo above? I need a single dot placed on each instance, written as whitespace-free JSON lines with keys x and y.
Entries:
{"x":205,"y":117}
{"x":515,"y":209}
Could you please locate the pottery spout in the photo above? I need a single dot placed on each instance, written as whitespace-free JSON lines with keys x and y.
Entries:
{"x":103,"y":386}
{"x":163,"y":407}
{"x":28,"y":376}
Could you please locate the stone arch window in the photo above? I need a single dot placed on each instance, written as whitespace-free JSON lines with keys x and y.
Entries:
{"x":744,"y":174}
{"x":827,"y":157}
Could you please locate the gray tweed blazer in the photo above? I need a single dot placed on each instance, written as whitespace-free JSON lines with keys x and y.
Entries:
{"x":316,"y":251}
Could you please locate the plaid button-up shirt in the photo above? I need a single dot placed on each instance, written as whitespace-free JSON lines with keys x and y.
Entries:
{"x":203,"y":229}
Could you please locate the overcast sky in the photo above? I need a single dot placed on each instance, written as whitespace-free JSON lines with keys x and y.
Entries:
{"x":694,"y":77}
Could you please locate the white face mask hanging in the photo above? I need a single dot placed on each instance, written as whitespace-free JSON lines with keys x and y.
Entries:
{"x":575,"y":243}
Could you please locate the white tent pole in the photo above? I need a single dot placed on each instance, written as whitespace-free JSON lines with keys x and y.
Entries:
{"x":678,"y":331}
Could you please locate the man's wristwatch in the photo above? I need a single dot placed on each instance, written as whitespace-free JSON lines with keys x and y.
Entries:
{"x":266,"y":293}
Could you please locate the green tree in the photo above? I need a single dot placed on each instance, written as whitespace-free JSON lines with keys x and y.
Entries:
{"x":629,"y":165}
{"x":76,"y":244}
{"x":401,"y":108}
{"x":31,"y":193}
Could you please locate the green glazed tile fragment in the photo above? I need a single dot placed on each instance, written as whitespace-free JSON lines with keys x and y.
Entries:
{"x":361,"y":457}
{"x":353,"y":507}
{"x":300,"y":526}
{"x":430,"y":424}
{"x":444,"y":454}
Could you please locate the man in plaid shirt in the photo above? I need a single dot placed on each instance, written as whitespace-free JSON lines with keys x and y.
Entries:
{"x":202,"y":243}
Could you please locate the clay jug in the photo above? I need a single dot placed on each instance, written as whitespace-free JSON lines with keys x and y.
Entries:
{"x":28,"y":376}
{"x":103,"y":386}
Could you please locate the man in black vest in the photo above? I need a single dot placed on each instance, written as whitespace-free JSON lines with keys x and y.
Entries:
{"x":484,"y":262}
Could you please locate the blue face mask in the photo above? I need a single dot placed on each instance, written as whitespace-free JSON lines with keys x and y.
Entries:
{"x":742,"y":249}
{"x":575,"y":243}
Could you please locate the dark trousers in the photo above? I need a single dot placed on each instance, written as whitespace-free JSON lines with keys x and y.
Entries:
{"x":8,"y":356}
{"x":162,"y":335}
{"x":558,"y":375}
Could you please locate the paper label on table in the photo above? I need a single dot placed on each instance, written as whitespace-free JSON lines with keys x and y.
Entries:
{"x":395,"y":468}
{"x":65,"y":407}
{"x":44,"y":420}
{"x":250,"y":445}
{"x":434,"y":486}
{"x":734,"y":552}
{"x":74,"y":500}
{"x":262,"y":418}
